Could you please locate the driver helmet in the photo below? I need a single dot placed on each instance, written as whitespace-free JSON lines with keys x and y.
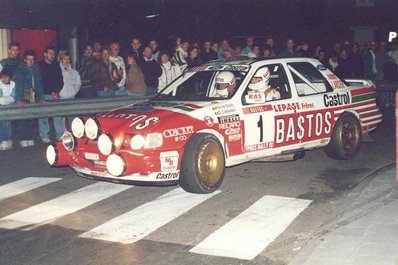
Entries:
{"x":262,"y":84}
{"x":225,"y":83}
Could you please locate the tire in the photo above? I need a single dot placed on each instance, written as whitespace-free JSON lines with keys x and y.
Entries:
{"x":202,"y":165}
{"x":346,"y":138}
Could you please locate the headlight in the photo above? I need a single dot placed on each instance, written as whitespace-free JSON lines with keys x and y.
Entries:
{"x":105,"y":144}
{"x":92,"y":129}
{"x":137,"y":142}
{"x":77,"y":127}
{"x":51,"y":155}
{"x":68,"y":141}
{"x":115,"y":165}
{"x":153,"y":140}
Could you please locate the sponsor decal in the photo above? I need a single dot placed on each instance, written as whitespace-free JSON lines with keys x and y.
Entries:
{"x":255,"y":97}
{"x":138,"y":121}
{"x":243,"y":68}
{"x":287,"y":106}
{"x":321,"y":67}
{"x":231,"y":131}
{"x":257,"y":109}
{"x":336,"y":99}
{"x":168,"y":160}
{"x":234,"y":137}
{"x":181,"y":131}
{"x":302,"y":127}
{"x":91,"y":156}
{"x":335,"y":81}
{"x":168,"y":175}
{"x":307,"y":105}
{"x":209,"y":121}
{"x":229,"y":118}
{"x":261,"y":146}
{"x":228,"y":125}
{"x":224,"y":109}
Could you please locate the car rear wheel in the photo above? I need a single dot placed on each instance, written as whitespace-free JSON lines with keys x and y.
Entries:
{"x":346,"y":138}
{"x":203,"y":164}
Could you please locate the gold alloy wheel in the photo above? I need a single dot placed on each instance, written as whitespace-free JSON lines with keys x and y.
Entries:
{"x":349,"y":136}
{"x":210,"y":163}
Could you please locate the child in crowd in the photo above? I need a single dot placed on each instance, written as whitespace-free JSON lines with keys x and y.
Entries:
{"x":7,"y":96}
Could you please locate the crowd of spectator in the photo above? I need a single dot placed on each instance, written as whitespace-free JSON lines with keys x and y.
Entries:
{"x":147,"y":69}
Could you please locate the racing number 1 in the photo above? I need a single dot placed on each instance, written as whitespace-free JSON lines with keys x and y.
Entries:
{"x":260,"y":125}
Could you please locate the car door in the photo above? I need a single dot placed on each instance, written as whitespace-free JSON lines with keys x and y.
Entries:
{"x":305,"y":121}
{"x":259,"y":138}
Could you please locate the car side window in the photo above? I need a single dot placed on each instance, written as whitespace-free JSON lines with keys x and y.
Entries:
{"x":308,"y":79}
{"x":277,"y":81}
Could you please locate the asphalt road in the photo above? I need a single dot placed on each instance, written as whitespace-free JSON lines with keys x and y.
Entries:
{"x":263,"y":214}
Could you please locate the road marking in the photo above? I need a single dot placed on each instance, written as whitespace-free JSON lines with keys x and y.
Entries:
{"x":245,"y":236}
{"x":54,"y":209}
{"x":23,"y":185}
{"x":143,"y":220}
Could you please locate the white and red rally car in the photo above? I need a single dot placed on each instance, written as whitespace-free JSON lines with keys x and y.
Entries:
{"x":188,"y":135}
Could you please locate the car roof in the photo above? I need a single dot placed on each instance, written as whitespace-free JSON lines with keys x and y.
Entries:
{"x":254,"y":61}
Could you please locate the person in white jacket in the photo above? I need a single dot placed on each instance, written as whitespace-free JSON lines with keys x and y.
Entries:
{"x":7,"y":97}
{"x":169,"y":71}
{"x":72,"y":81}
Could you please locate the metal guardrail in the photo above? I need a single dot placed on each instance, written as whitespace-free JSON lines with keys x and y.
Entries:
{"x":67,"y":107}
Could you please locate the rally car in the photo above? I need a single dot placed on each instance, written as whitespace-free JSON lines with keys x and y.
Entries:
{"x":189,"y":132}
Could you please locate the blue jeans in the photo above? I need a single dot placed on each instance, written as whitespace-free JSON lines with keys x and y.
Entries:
{"x":5,"y":131}
{"x":121,"y":91}
{"x":107,"y":93}
{"x":24,"y":130}
{"x":44,"y":126}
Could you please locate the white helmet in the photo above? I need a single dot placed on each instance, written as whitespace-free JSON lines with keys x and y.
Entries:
{"x":225,"y":77}
{"x":264,"y":74}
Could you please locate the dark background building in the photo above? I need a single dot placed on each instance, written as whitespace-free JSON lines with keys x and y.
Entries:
{"x":316,"y":21}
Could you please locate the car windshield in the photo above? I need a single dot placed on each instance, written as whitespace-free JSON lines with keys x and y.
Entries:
{"x":199,"y":83}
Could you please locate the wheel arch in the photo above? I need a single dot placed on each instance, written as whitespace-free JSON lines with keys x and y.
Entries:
{"x":350,"y":111}
{"x":218,"y":135}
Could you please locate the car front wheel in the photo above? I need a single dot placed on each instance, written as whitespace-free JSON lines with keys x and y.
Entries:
{"x":346,"y":138}
{"x":203,"y":164}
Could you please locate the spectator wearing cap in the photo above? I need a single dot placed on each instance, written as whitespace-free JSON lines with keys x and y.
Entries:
{"x":7,"y":97}
{"x":27,"y":75}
